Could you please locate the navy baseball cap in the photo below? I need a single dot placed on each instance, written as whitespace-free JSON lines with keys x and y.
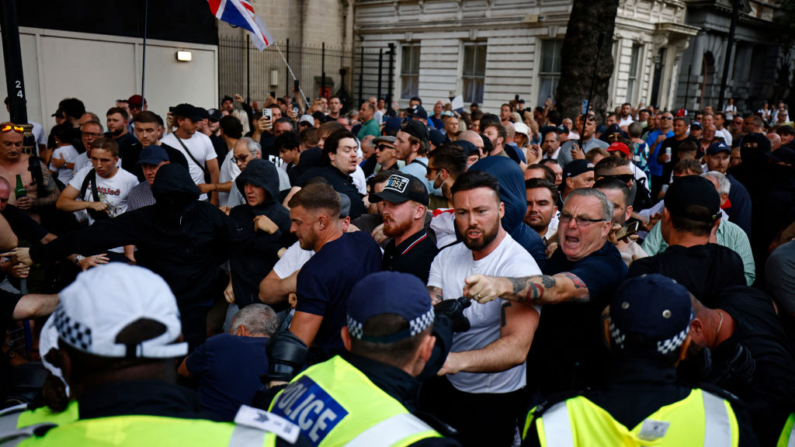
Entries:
{"x":376,"y":294}
{"x":654,"y":307}
{"x":718,"y":147}
{"x":577,"y":167}
{"x":392,"y":126}
{"x":467,"y":146}
{"x":401,"y":188}
{"x":562,"y":129}
{"x":692,"y":190}
{"x":418,"y":111}
{"x":436,"y":137}
{"x":152,"y":155}
{"x":696,"y":125}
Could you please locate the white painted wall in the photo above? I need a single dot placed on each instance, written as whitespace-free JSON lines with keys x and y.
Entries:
{"x":98,"y":69}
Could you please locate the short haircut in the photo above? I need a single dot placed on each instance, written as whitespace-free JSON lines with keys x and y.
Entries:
{"x":682,"y":166}
{"x":697,"y":227}
{"x":535,"y":183}
{"x":635,"y":130}
{"x":488,"y":119}
{"x":287,"y":142}
{"x":258,"y":318}
{"x":476,"y":115}
{"x":396,"y":353}
{"x":607,"y":206}
{"x":416,"y":98}
{"x":608,"y":164}
{"x":549,"y":174}
{"x":757,"y":120}
{"x":146,"y":117}
{"x":688,"y":146}
{"x":92,"y":115}
{"x":63,"y":132}
{"x":231,"y":126}
{"x":724,"y":185}
{"x":72,"y":107}
{"x":252,"y":145}
{"x":785,"y":130}
{"x":549,"y":161}
{"x":382,"y":176}
{"x":119,"y":110}
{"x":720,"y":114}
{"x":501,"y":132}
{"x":328,"y":128}
{"x":615,"y":185}
{"x":451,"y":158}
{"x":308,"y":137}
{"x":93,"y":123}
{"x":553,"y":116}
{"x":107,"y":144}
{"x":591,"y":154}
{"x":476,"y":179}
{"x":370,"y":106}
{"x":626,"y":104}
{"x":318,"y":197}
{"x":283,"y":120}
{"x":679,"y":118}
{"x":332,"y":142}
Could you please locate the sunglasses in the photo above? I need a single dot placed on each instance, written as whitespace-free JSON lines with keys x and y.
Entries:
{"x":383,"y":147}
{"x":10,"y":127}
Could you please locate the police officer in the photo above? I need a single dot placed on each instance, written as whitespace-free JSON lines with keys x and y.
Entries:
{"x":119,"y":333}
{"x":367,"y":397}
{"x":643,"y":404}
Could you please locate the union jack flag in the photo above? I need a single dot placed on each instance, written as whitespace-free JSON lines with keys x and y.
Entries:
{"x":240,"y":13}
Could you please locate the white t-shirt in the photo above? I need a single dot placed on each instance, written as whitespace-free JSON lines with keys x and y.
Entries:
{"x":69,"y":154}
{"x":292,"y":260}
{"x":359,"y":180}
{"x":81,"y":161}
{"x":201,"y":148}
{"x":229,"y":172}
{"x":448,"y":271}
{"x":38,"y":135}
{"x":729,"y":111}
{"x":113,"y":191}
{"x":626,"y":121}
{"x":727,"y":136}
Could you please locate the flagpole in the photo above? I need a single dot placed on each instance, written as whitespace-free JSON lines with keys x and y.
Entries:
{"x":291,"y":72}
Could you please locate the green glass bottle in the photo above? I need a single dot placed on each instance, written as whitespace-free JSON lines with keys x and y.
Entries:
{"x":20,"y":191}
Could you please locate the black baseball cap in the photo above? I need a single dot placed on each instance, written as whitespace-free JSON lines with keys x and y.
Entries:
{"x":696,"y":125}
{"x":436,"y":137}
{"x":577,"y":167}
{"x":562,"y":129}
{"x":203,"y":113}
{"x":188,"y":111}
{"x":215,"y":115}
{"x":468,"y":147}
{"x":418,"y":111}
{"x":415,"y":129}
{"x":401,"y":188}
{"x":689,"y":191}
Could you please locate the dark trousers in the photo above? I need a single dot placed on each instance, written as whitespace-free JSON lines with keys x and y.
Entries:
{"x":481,"y":419}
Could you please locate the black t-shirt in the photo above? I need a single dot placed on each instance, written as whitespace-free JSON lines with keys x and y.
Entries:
{"x":674,"y":144}
{"x":704,"y":270}
{"x":414,"y":255}
{"x":770,"y":394}
{"x":341,"y":183}
{"x":23,"y":225}
{"x":8,"y":302}
{"x":131,"y":155}
{"x":326,"y":280}
{"x":567,"y":351}
{"x":221,"y":149}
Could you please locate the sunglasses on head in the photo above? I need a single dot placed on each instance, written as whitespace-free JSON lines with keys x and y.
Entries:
{"x":10,"y":127}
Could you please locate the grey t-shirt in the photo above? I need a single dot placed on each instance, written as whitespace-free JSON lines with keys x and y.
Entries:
{"x":780,"y":271}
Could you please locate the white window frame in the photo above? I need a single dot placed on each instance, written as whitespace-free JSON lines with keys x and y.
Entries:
{"x":553,"y":76}
{"x":474,"y":76}
{"x":406,"y":71}
{"x":633,"y":79}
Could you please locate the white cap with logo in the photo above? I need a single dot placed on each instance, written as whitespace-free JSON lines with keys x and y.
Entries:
{"x":106,"y":299}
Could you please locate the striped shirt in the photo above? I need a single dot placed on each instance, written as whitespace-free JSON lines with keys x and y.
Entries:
{"x":140,"y":196}
{"x":729,"y":235}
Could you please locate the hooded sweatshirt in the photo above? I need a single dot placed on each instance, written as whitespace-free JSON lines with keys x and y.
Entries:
{"x":513,"y":195}
{"x":253,"y":261}
{"x":179,"y":238}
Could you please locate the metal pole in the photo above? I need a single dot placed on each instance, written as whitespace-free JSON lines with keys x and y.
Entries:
{"x":391,"y":73}
{"x":380,"y":71}
{"x":728,"y":57}
{"x":300,"y":89}
{"x":248,"y":68}
{"x":361,"y":76}
{"x":143,"y":63}
{"x":15,"y":80}
{"x":286,"y":71}
{"x":687,"y":85}
{"x":323,"y":70}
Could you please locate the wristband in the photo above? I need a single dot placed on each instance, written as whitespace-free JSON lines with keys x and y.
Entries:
{"x":79,"y":258}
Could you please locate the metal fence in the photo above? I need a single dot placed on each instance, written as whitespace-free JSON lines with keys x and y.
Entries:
{"x":254,"y":74}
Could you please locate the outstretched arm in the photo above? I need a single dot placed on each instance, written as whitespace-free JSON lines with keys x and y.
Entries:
{"x":540,"y":289}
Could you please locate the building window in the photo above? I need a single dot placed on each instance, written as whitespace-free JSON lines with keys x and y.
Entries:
{"x":410,"y":71}
{"x":634,"y":69}
{"x":474,"y":71}
{"x":549,"y":75}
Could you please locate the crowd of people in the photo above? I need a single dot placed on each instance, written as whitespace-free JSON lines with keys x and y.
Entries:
{"x":290,"y":273}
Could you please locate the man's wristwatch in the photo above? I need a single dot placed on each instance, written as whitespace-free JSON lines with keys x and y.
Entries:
{"x":79,"y":258}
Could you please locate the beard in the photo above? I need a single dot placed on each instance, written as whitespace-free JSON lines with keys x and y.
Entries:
{"x":116,"y":133}
{"x":486,"y":237}
{"x":395,"y":228}
{"x":308,"y":242}
{"x":537,"y":224}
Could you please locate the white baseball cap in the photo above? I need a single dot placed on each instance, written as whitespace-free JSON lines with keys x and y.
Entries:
{"x":47,"y":342}
{"x":307,"y":119}
{"x":522,"y":129}
{"x":106,"y":299}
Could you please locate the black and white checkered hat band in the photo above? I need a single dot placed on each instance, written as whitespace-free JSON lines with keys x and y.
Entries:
{"x":616,"y":334}
{"x":422,"y":322}
{"x":663,"y":346}
{"x":71,"y":331}
{"x":355,"y":328}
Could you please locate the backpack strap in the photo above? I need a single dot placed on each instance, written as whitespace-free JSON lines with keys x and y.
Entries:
{"x":204,"y":169}
{"x":91,"y":177}
{"x":34,"y":166}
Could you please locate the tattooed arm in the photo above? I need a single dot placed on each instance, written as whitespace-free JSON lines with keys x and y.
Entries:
{"x":436,"y":294}
{"x":540,"y":289}
{"x":49,"y":186}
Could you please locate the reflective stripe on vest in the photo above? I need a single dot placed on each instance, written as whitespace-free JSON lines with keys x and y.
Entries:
{"x":334,"y":403}
{"x":560,"y":427}
{"x":390,"y":431}
{"x":243,"y":435}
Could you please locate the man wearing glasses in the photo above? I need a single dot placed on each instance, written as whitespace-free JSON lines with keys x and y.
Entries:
{"x":578,"y":283}
{"x":588,"y":140}
{"x":39,"y":185}
{"x":654,"y":141}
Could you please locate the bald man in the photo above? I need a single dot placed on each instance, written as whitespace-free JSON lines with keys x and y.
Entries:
{"x":472,"y":137}
{"x":775,"y":141}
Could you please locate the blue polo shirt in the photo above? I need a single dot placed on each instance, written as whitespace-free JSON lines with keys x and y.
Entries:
{"x":655,"y":168}
{"x":326,"y":280}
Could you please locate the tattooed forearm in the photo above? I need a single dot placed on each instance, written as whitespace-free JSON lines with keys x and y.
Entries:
{"x":546,"y":289}
{"x":532,"y":289}
{"x":436,"y":294}
{"x":578,"y":283}
{"x":50,"y":187}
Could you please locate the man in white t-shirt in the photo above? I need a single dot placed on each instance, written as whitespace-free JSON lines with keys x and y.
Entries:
{"x":485,"y":370}
{"x":108,"y":197}
{"x":626,"y":116}
{"x":197,"y":148}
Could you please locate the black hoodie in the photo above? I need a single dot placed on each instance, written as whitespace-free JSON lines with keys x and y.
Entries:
{"x":251,"y":262}
{"x":179,"y":238}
